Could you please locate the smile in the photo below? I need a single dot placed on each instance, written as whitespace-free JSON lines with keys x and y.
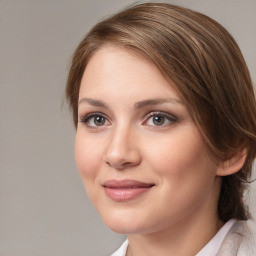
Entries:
{"x":124,"y":190}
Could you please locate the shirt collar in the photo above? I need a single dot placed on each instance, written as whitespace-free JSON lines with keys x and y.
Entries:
{"x":210,"y":249}
{"x":213,"y":246}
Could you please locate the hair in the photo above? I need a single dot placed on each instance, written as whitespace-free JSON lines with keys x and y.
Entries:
{"x":209,"y":74}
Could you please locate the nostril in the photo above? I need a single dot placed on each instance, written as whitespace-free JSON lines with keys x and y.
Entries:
{"x":108,"y":163}
{"x":120,"y":155}
{"x":119,"y":165}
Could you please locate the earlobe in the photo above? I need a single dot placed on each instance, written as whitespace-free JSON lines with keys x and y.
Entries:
{"x":233,"y":164}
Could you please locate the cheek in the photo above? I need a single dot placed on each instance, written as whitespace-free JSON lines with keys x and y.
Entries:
{"x":86,"y":156}
{"x":185,"y":174}
{"x":182,"y":156}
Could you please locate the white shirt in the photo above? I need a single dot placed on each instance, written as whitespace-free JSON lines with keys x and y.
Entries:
{"x":210,"y":249}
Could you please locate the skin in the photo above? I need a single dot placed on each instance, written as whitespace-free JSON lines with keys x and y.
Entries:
{"x":171,"y":217}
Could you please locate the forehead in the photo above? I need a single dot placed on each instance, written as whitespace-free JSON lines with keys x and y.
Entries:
{"x":121,"y":71}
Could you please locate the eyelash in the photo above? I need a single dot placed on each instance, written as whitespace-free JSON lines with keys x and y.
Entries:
{"x":85,"y":120}
{"x":167,"y":118}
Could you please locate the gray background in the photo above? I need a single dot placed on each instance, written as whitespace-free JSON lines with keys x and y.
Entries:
{"x":43,"y":207}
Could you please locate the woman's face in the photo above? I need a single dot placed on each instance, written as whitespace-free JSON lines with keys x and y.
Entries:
{"x":143,"y":161}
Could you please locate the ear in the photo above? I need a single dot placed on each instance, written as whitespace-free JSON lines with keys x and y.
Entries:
{"x":233,"y":164}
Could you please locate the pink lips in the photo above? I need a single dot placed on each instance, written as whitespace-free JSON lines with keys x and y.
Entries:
{"x":124,"y":190}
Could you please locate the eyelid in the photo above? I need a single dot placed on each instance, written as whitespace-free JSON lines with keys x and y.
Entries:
{"x":170,"y":117}
{"x":153,"y":113}
{"x":85,"y":118}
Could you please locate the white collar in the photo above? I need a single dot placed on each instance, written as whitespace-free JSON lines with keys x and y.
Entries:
{"x":213,"y":246}
{"x":122,"y":250}
{"x":210,"y":249}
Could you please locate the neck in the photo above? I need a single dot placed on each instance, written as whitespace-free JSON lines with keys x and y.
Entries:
{"x":184,"y":238}
{"x":178,"y":242}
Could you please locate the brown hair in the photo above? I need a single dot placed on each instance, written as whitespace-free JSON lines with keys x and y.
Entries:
{"x":209,"y":72}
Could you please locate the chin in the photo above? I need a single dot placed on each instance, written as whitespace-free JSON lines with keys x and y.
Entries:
{"x":122,"y":223}
{"x":123,"y":230}
{"x":123,"y":226}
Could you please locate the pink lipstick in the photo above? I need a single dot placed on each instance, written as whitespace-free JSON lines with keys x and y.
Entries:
{"x":124,"y":190}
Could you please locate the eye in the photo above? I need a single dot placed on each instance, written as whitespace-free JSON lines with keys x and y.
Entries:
{"x":159,"y":119}
{"x":95,"y":120}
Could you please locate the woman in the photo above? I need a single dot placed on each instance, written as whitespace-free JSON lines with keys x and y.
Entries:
{"x":164,"y":109}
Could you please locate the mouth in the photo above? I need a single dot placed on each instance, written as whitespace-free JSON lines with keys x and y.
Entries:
{"x":125,"y":190}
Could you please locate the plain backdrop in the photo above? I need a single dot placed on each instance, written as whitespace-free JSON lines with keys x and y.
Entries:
{"x":44,"y":210}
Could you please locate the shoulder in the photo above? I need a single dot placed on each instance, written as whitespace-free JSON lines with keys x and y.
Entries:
{"x":240,"y":240}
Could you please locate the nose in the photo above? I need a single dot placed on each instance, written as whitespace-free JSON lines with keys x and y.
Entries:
{"x":122,"y":150}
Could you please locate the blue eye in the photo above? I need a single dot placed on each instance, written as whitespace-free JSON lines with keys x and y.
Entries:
{"x":160,"y":119}
{"x":95,"y":120}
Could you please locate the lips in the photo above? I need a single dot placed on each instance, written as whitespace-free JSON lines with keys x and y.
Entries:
{"x":124,"y":190}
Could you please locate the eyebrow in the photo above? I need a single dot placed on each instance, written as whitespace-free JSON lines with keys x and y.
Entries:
{"x":93,"y":102}
{"x":137,"y":105}
{"x":157,"y":101}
